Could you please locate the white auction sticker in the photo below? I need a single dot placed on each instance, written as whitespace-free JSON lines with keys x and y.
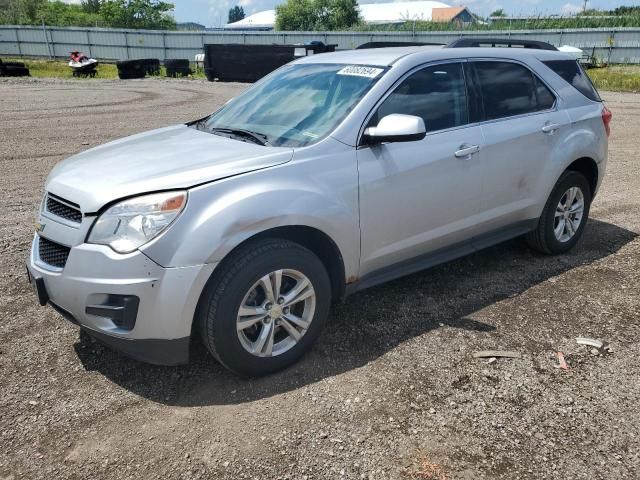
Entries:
{"x":360,"y":71}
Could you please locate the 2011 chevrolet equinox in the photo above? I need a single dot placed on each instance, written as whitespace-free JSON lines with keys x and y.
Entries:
{"x":332,"y":174}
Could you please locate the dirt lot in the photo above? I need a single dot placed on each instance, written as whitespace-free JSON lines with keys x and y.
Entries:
{"x":390,"y":391}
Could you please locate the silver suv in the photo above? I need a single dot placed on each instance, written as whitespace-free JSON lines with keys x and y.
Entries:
{"x":334,"y":173}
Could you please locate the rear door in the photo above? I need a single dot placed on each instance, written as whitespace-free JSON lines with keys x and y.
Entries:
{"x":521,"y":125}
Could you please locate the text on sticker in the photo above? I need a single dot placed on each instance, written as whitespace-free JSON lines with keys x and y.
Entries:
{"x":360,"y":71}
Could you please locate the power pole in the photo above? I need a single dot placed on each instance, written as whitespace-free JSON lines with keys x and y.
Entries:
{"x":584,"y":8}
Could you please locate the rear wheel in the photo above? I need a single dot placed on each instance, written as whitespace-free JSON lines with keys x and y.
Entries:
{"x":265,"y":307}
{"x":564,"y":216}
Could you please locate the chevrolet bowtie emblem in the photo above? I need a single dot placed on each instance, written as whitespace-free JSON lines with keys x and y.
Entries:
{"x":39,"y":227}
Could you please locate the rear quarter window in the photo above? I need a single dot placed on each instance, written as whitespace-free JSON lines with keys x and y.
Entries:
{"x":572,"y":73}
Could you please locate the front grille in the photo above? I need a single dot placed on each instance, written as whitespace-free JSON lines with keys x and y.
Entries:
{"x":52,"y":253}
{"x":64,"y":209}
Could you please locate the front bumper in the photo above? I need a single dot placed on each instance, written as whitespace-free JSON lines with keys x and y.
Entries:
{"x":94,"y":275}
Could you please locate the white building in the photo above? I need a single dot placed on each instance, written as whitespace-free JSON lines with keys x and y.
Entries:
{"x":373,"y":13}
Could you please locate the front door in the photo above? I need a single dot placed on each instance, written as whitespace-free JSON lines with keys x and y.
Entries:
{"x":421,"y":196}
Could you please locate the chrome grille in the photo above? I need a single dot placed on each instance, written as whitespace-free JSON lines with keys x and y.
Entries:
{"x":52,"y":253}
{"x":63,"y":208}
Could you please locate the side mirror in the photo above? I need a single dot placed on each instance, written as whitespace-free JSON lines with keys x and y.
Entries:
{"x":396,"y":128}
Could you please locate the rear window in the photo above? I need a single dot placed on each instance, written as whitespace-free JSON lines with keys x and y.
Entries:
{"x":573,"y":73}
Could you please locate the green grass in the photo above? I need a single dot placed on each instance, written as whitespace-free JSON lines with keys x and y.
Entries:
{"x":61,"y":69}
{"x":617,"y":78}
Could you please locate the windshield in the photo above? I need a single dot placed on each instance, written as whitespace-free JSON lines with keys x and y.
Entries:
{"x":296,"y":106}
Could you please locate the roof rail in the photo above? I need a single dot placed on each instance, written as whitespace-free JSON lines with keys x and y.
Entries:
{"x":499,"y":42}
{"x":394,"y":44}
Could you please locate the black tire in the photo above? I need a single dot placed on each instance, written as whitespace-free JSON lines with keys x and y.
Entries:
{"x":178,"y":72}
{"x":129,"y":64}
{"x":14,"y":64}
{"x":221,"y":299}
{"x":129,"y":69}
{"x":130,"y":74}
{"x":543,"y":238}
{"x":151,"y":66}
{"x":9,"y":71}
{"x":176,"y":63}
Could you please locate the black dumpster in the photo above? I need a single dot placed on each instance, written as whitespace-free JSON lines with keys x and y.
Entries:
{"x":248,"y":63}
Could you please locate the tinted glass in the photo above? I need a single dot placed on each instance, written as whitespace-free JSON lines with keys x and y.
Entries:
{"x":544,"y":95}
{"x":507,"y":89}
{"x":572,"y":72}
{"x":437,"y":94}
{"x":298,"y":104}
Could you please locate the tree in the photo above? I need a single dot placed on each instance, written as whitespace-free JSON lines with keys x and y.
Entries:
{"x":21,"y":12}
{"x":91,"y":6}
{"x":498,"y":13}
{"x":152,"y":14}
{"x":317,"y":15}
{"x":235,"y":14}
{"x":625,"y":11}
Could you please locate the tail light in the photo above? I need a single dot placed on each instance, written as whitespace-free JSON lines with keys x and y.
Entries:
{"x":606,"y":119}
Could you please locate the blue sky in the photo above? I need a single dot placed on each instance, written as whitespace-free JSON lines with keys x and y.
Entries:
{"x":213,"y":13}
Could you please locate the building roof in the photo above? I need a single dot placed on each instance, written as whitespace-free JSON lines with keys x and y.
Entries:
{"x":371,"y":13}
{"x":264,"y":19}
{"x":446,"y":14}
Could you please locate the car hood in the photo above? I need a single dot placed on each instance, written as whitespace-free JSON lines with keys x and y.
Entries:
{"x":163,"y":159}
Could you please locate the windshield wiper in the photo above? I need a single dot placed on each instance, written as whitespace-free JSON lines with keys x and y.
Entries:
{"x":259,"y":138}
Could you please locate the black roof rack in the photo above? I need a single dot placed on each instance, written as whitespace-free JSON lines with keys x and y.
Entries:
{"x":500,"y":42}
{"x":394,"y":44}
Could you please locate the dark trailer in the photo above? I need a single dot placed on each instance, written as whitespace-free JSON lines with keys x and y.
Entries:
{"x":248,"y":63}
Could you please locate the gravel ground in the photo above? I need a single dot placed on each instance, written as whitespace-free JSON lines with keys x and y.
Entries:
{"x":390,"y":391}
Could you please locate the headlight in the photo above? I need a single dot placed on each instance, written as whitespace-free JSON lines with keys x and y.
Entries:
{"x":131,"y":223}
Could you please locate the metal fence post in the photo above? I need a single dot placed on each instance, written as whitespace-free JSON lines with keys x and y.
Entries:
{"x":611,"y":42}
{"x":18,"y":43}
{"x":89,"y":44}
{"x":44,"y":30}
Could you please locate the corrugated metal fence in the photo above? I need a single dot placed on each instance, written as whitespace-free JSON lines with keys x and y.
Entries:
{"x":612,"y":45}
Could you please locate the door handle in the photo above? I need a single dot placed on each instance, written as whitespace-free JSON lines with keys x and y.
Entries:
{"x":466,"y":151}
{"x":550,"y":127}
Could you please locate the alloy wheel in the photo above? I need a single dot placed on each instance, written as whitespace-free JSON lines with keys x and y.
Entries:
{"x":275,"y":313}
{"x":569,"y":214}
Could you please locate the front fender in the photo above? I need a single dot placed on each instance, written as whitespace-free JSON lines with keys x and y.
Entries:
{"x":222,"y":215}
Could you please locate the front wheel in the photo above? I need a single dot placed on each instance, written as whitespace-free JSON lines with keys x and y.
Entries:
{"x":564,"y":216}
{"x":265,"y":307}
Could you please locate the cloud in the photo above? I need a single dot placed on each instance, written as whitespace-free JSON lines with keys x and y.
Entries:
{"x":571,"y":9}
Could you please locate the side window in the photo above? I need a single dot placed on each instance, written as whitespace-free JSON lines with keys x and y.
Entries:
{"x":510,"y":89}
{"x":437,"y":94}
